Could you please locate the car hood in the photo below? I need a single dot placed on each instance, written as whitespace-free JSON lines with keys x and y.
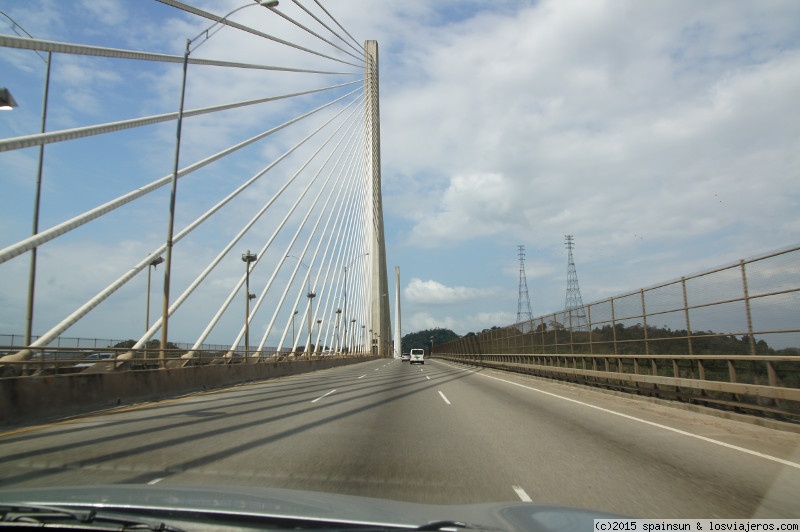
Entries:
{"x":308,"y":505}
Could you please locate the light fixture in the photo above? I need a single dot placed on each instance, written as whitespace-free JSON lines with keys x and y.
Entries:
{"x":7,"y":102}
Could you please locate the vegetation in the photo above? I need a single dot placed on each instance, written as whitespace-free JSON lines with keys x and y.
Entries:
{"x":152,"y":344}
{"x":619,"y":339}
{"x":660,"y":341}
{"x":422,"y":339}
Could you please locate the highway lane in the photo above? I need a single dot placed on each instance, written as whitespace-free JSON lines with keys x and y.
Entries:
{"x":436,"y":433}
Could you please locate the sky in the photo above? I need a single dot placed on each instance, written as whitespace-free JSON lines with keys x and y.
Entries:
{"x":664,"y":136}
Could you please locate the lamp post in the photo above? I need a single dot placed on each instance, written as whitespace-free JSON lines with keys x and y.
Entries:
{"x":153,"y":263}
{"x":247,"y":258}
{"x":338,"y":343}
{"x":345,"y":292}
{"x":293,"y":315}
{"x":319,"y":326}
{"x":174,"y":182}
{"x":7,"y":102}
{"x":352,"y":333}
{"x":311,"y":295}
{"x":363,"y":338}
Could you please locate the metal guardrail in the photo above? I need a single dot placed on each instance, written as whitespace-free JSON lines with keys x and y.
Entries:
{"x":65,"y":361}
{"x":14,"y":342}
{"x":727,"y":337}
{"x":766,"y":385}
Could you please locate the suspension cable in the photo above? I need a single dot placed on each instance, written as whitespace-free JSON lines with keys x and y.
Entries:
{"x":38,"y":139}
{"x":215,"y":319}
{"x":48,"y":234}
{"x":211,"y":16}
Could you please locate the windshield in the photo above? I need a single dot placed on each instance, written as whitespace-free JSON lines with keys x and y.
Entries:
{"x":664,"y":134}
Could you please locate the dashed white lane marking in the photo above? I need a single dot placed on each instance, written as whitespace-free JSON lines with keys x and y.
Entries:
{"x":361,"y":377}
{"x":155,"y":481}
{"x":524,"y":497}
{"x":320,"y":397}
{"x":427,"y":377}
{"x":445,"y":398}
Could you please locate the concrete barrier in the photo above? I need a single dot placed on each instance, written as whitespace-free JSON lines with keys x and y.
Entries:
{"x":50,"y":397}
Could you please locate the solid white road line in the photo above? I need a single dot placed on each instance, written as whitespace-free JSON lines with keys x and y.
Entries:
{"x":320,"y":397}
{"x":361,"y":377}
{"x":651,"y":423}
{"x":445,"y":398}
{"x":524,"y":497}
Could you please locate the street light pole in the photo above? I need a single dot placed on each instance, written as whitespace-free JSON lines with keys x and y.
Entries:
{"x":345,"y":293}
{"x":338,"y":343}
{"x":311,"y":296}
{"x":153,"y":263}
{"x":174,"y":182}
{"x":7,"y":102}
{"x":247,"y":258}
{"x":293,"y":315}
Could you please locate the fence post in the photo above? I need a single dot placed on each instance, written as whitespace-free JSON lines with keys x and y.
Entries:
{"x":731,"y":371}
{"x":747,"y":310}
{"x":544,"y":334}
{"x":644,"y":322}
{"x":571,"y":340}
{"x":613,"y":327}
{"x":555,"y":334}
{"x":686,"y":312}
{"x":589,"y":317}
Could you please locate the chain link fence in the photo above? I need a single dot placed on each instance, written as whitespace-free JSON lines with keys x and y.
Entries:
{"x":736,"y":324}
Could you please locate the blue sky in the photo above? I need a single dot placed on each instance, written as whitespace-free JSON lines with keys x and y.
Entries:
{"x":665,"y":136}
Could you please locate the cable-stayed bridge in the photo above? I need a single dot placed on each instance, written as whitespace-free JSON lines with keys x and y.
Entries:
{"x":256,"y":222}
{"x":221,"y":195}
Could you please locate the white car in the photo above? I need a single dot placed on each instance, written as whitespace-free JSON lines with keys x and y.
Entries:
{"x":93,"y":359}
{"x":417,"y":356}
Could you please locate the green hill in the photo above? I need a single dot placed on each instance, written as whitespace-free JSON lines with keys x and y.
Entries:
{"x":422,"y":339}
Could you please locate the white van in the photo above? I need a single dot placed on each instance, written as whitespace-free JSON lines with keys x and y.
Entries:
{"x":417,"y":356}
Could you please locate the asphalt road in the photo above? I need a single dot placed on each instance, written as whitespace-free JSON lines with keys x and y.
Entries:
{"x":437,"y":433}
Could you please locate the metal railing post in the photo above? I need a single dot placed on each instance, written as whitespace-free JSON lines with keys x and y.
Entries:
{"x":686,"y":312}
{"x":747,"y":309}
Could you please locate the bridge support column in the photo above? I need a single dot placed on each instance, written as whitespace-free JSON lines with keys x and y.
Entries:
{"x":379,"y":286}
{"x":398,"y":341}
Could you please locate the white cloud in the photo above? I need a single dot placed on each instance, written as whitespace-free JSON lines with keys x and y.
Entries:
{"x":435,"y":293}
{"x":664,"y":136}
{"x":598,"y":118}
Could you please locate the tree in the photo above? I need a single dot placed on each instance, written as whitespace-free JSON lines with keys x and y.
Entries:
{"x":152,"y":344}
{"x":422,"y":339}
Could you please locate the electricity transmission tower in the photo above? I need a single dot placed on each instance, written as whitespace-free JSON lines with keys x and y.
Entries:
{"x":524,"y":314}
{"x":573,"y":301}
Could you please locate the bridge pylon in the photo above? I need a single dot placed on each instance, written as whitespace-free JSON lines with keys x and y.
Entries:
{"x":380,"y":326}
